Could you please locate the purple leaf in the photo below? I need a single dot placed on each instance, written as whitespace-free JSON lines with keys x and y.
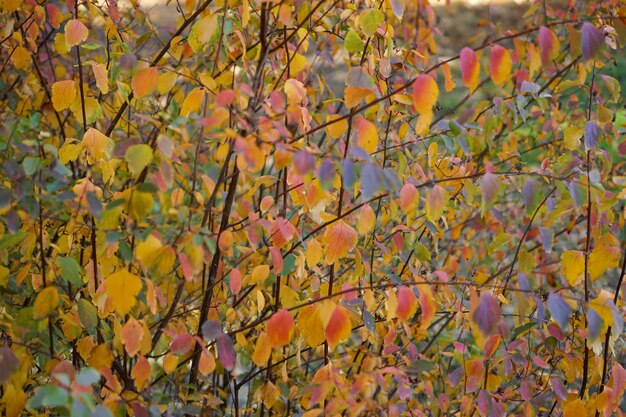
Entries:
{"x":558,"y":388}
{"x":547,"y":238}
{"x":347,"y":173}
{"x":8,"y":363}
{"x":528,"y":193}
{"x":560,"y":309}
{"x":226,"y":351}
{"x":327,"y":172}
{"x":592,"y":40}
{"x":483,"y":402}
{"x":488,"y":314}
{"x":594,"y":323}
{"x":592,"y":131}
{"x":489,"y":186}
{"x":370,"y":180}
{"x":211,"y":329}
{"x":303,"y":161}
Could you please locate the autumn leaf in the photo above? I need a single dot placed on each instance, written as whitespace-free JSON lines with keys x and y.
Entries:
{"x":131,"y":336}
{"x":436,"y":201}
{"x":280,"y":328}
{"x":573,"y":265}
{"x":192,"y":102}
{"x":407,"y":304}
{"x":470,"y":70}
{"x":46,"y":302}
{"x":548,"y":44}
{"x":122,"y":288}
{"x":75,"y":32}
{"x":367,"y":134}
{"x":338,"y":328}
{"x":425,"y":93}
{"x":144,"y":82}
{"x":500,"y":65}
{"x":63,"y":94}
{"x":339,"y":239}
{"x":138,"y":157}
{"x":487,"y":315}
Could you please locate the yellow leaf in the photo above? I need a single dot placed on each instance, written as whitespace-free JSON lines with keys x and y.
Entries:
{"x":46,"y":302}
{"x":435,"y":203}
{"x":144,"y":82}
{"x":122,"y":288}
{"x":297,"y":65}
{"x":69,"y":151}
{"x":93,"y":110}
{"x":571,"y":137}
{"x":202,"y":31}
{"x":337,"y":128}
{"x":367,"y":220}
{"x":192,"y":102}
{"x":75,"y":32}
{"x":313,"y":253}
{"x":21,"y":58}
{"x":63,"y":94}
{"x":138,"y":157}
{"x":97,"y":145}
{"x":339,"y":239}
{"x":262,"y":350}
{"x":166,"y":82}
{"x":573,"y":265}
{"x":605,"y":255}
{"x":259,"y":274}
{"x":367,"y":134}
{"x":268,"y":393}
{"x":101,"y":75}
{"x":310,"y":326}
{"x":574,"y":408}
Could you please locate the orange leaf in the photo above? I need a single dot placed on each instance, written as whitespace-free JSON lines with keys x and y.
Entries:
{"x":425,"y":93}
{"x":144,"y":82}
{"x":280,"y":328}
{"x":470,"y":70}
{"x":427,"y":306}
{"x":339,"y":327}
{"x":339,"y":239}
{"x":500,"y":65}
{"x":141,"y":372}
{"x":409,"y":197}
{"x":407,"y":304}
{"x":75,"y":32}
{"x":367,"y":134}
{"x":449,"y":83}
{"x":131,"y":336}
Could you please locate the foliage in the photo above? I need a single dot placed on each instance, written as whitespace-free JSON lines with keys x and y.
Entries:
{"x":201,"y":221}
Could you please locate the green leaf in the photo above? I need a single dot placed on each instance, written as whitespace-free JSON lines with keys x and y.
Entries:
{"x":49,"y":396}
{"x":70,"y":270}
{"x":353,"y":42}
{"x":370,"y":20}
{"x":138,"y":157}
{"x":87,"y":314}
